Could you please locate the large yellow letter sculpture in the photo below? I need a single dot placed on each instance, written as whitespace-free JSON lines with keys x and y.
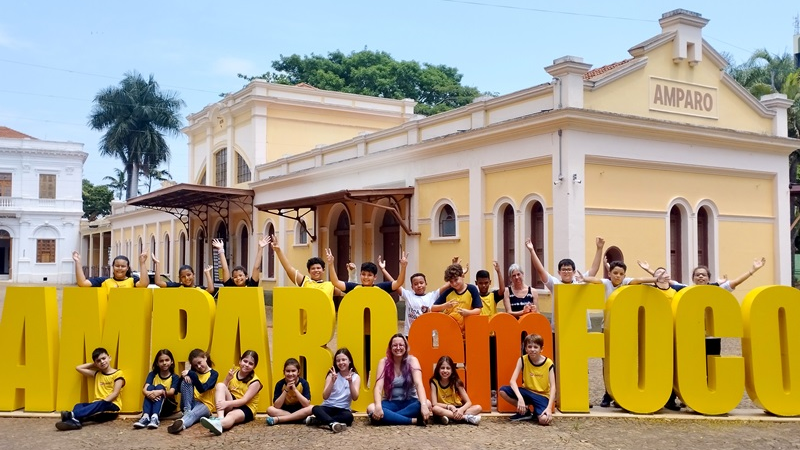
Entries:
{"x":720,"y":389}
{"x":83,"y":312}
{"x":29,"y":351}
{"x":290,"y":342}
{"x":241,"y":325}
{"x":638,"y":337}
{"x":383,"y":316}
{"x":771,"y":348}
{"x":182,"y":321}
{"x":575,"y":344}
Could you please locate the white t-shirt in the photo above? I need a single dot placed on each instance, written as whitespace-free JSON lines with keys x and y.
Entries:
{"x":550,"y":285}
{"x":414,"y":304}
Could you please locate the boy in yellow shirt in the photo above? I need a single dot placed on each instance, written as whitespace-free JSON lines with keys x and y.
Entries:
{"x":108,"y":383}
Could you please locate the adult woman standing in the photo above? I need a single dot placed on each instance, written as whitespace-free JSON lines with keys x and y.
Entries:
{"x":519,"y":298}
{"x":399,"y":391}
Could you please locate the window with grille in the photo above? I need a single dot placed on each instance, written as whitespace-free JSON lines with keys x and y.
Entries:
{"x":242,"y":170}
{"x":47,"y":186}
{"x":221,"y":160}
{"x":5,"y":185}
{"x":45,"y":250}
{"x":447,"y":222}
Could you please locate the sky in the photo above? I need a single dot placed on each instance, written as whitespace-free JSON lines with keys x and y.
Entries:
{"x":56,"y":56}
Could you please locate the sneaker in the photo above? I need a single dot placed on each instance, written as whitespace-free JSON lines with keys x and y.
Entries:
{"x":472,"y":419}
{"x":176,"y":427}
{"x":271,"y":421}
{"x":66,"y":416}
{"x":312,"y":421}
{"x":522,"y":417}
{"x":494,"y":397}
{"x":71,"y":424}
{"x":606,"y":402}
{"x":672,"y":406}
{"x":142,"y":422}
{"x":337,"y":427}
{"x":154,"y":422}
{"x":444,"y":420}
{"x":212,"y":425}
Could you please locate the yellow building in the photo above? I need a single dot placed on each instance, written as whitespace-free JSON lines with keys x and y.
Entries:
{"x":662,"y":154}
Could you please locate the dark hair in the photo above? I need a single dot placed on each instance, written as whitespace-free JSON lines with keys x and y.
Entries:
{"x":453,"y":271}
{"x":482,"y":274}
{"x":158,"y":355}
{"x":566,"y":262}
{"x":197,"y":353}
{"x":534,"y":339}
{"x":615,"y":264}
{"x":244,"y":271}
{"x":292,"y":362}
{"x":417,"y":275}
{"x":185,"y":267}
{"x":254,"y":355}
{"x":128,"y":274}
{"x":701,"y":267}
{"x":344,"y":351}
{"x":369,"y":267}
{"x":455,"y":380}
{"x":315,"y":260}
{"x":99,"y":351}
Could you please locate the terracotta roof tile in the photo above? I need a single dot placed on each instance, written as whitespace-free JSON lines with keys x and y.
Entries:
{"x":8,"y":133}
{"x":601,"y":70}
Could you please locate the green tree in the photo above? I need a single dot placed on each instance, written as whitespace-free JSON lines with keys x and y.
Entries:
{"x":436,"y":88}
{"x":135,"y":117}
{"x":118,"y":183}
{"x":155,"y":174}
{"x":96,"y":200}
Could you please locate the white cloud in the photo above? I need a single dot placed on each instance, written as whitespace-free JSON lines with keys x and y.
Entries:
{"x":230,"y":66}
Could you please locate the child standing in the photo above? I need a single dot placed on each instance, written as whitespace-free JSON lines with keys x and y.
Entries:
{"x":159,"y":391}
{"x":237,"y":396}
{"x":197,"y":390}
{"x":108,"y":383}
{"x":341,"y":387}
{"x":449,"y":397}
{"x":460,"y":299}
{"x":121,"y":275}
{"x":292,"y":398}
{"x":538,"y":384}
{"x":239,"y":275}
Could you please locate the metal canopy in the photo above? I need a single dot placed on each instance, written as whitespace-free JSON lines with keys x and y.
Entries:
{"x":290,"y":208}
{"x":185,"y":200}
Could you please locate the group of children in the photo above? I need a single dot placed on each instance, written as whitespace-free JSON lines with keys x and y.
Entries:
{"x":399,"y":392}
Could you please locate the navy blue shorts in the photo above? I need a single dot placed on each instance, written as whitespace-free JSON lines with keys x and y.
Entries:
{"x":538,"y":401}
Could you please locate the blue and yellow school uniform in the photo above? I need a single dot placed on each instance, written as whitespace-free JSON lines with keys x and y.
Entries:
{"x":470,"y":298}
{"x":489,"y":303}
{"x":206,"y":397}
{"x":447,"y":395}
{"x":104,"y":386}
{"x":238,"y":389}
{"x":291,"y":403}
{"x":110,"y":283}
{"x":536,"y":377}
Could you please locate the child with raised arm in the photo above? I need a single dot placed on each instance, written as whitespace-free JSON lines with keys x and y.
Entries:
{"x":197,"y":390}
{"x":108,"y":383}
{"x":449,"y":396}
{"x":291,"y":402}
{"x":239,"y":276}
{"x":460,"y":299}
{"x":341,"y":387}
{"x":159,"y":391}
{"x":701,"y":275}
{"x":538,"y":384}
{"x":315,"y":266}
{"x":121,"y":275}
{"x":489,"y":299}
{"x":185,"y":277}
{"x":236,"y":397}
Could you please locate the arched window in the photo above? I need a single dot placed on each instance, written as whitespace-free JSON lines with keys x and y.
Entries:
{"x":676,"y":242}
{"x":537,"y":238}
{"x":301,"y":233}
{"x":141,"y":248}
{"x":390,"y":231}
{"x":244,"y":245}
{"x":508,"y":256}
{"x":242,"y":169}
{"x":200,"y":248}
{"x":182,"y":251}
{"x":342,"y":235}
{"x":153,"y":251}
{"x":167,"y":255}
{"x":270,"y":255}
{"x":221,"y":168}
{"x":702,"y":237}
{"x":447,"y":221}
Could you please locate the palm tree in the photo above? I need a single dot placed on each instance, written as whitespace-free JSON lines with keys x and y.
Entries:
{"x":135,"y":116}
{"x":155,"y":174}
{"x":118,"y":183}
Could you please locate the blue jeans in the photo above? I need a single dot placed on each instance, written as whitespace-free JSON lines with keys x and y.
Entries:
{"x":98,"y":411}
{"x":399,"y":412}
{"x":163,"y":406}
{"x":193,"y":409}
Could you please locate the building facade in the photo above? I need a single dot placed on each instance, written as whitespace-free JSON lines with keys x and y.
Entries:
{"x":662,"y":154}
{"x":40,"y":208}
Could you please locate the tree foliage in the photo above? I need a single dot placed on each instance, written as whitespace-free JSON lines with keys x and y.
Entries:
{"x":135,"y":116}
{"x":96,"y":200}
{"x":118,"y":183}
{"x":436,"y":88}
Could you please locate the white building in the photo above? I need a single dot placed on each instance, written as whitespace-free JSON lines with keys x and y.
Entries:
{"x":40,"y":208}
